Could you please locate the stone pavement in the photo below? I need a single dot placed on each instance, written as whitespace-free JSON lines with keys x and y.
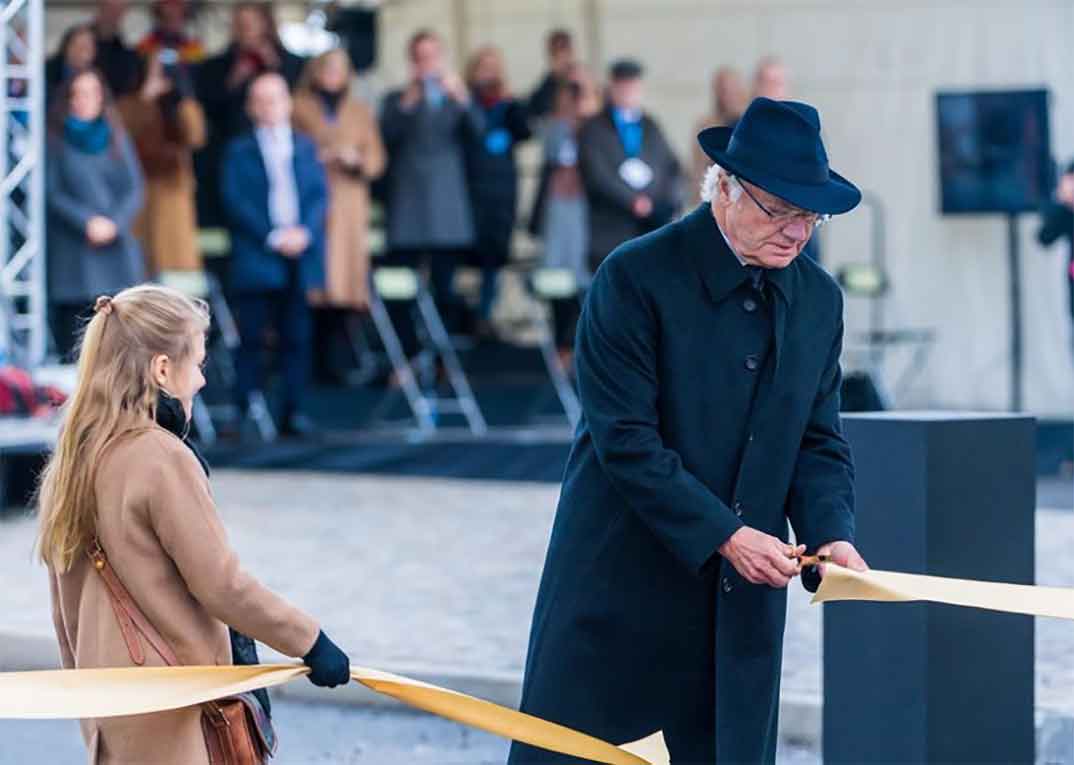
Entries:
{"x":410,"y":572}
{"x":318,"y":734}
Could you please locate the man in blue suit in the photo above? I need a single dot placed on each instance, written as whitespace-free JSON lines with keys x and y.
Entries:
{"x":275,"y":197}
{"x":708,"y":368}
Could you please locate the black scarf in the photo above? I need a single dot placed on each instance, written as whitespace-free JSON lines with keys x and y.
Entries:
{"x":172,"y":417}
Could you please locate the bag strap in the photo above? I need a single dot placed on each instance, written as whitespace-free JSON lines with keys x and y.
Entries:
{"x":130,"y":617}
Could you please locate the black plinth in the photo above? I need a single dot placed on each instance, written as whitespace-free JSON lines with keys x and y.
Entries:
{"x":947,"y":494}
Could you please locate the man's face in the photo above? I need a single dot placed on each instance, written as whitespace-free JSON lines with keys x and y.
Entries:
{"x":426,"y":58}
{"x":172,"y":15}
{"x":771,"y":82}
{"x":762,"y":240}
{"x":270,"y":102}
{"x":729,"y":93}
{"x":248,"y":28}
{"x":626,"y":94}
{"x":81,"y":50}
{"x":111,"y":12}
{"x":560,"y":57}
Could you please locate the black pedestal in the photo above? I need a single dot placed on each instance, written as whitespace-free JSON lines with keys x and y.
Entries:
{"x":951,"y":495}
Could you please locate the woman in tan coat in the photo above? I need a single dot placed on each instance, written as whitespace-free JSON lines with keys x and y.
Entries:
{"x":166,"y":125}
{"x":346,"y":133}
{"x":133,"y":487}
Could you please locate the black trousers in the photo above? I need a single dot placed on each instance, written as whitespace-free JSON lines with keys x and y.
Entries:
{"x":565,"y":314}
{"x":286,"y":312}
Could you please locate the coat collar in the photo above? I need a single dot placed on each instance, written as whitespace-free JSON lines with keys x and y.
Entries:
{"x":719,"y":268}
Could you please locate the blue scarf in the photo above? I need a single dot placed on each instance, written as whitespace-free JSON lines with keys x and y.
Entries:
{"x":88,"y":137}
{"x":630,"y":132}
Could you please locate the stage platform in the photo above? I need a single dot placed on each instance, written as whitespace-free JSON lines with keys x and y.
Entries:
{"x":504,"y":453}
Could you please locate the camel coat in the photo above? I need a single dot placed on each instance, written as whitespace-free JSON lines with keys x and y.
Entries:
{"x":158,"y":525}
{"x":168,"y":225}
{"x":347,"y":232}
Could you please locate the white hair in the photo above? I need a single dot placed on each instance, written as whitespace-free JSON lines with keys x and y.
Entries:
{"x":710,"y":184}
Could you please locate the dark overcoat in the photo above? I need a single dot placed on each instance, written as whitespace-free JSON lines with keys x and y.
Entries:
{"x":492,"y":175}
{"x":427,"y":198}
{"x":707,"y":405}
{"x":600,"y":154}
{"x":244,"y":191}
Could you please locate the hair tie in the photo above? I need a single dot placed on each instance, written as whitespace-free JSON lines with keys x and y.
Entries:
{"x":103,"y":305}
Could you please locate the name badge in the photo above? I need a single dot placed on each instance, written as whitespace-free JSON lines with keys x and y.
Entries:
{"x":635,"y":173}
{"x":497,"y":141}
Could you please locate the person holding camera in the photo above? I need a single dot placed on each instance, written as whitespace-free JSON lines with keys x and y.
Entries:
{"x":169,"y":33}
{"x":140,"y":569}
{"x":167,"y":126}
{"x":222,"y":84}
{"x":426,"y":126}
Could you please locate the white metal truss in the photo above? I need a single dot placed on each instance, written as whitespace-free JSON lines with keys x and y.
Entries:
{"x":22,"y":202}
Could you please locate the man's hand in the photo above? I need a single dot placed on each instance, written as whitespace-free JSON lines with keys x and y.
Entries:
{"x":456,"y":88}
{"x":292,"y":241}
{"x":761,"y":558}
{"x":643,"y":206}
{"x":1064,"y":192}
{"x":844,"y":554}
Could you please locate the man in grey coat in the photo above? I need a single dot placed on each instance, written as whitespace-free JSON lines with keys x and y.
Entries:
{"x":633,"y":181}
{"x":425,"y":127}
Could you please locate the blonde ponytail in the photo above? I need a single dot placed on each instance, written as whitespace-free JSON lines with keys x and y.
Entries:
{"x":115,"y":394}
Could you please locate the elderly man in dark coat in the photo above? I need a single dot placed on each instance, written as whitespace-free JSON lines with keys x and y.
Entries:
{"x":633,"y":182}
{"x":708,"y":368}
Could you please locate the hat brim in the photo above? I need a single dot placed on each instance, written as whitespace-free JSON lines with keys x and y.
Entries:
{"x":835,"y":197}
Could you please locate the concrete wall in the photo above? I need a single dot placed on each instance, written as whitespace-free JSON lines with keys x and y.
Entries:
{"x":872,"y":68}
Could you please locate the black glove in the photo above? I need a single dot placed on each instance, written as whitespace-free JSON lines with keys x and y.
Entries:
{"x":330,"y":666}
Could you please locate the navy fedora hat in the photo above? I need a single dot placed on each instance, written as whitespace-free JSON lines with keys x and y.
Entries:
{"x":776,"y":145}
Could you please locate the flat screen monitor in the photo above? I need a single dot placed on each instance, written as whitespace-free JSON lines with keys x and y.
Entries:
{"x":994,"y":151}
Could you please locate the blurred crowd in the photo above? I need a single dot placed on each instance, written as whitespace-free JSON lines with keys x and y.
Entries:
{"x":150,"y":144}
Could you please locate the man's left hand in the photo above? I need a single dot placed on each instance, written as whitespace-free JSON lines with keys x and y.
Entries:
{"x":844,"y":554}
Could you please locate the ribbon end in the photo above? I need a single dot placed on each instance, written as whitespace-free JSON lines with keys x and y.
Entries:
{"x":653,"y":749}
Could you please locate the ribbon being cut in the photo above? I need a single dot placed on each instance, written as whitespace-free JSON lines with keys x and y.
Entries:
{"x":124,"y":691}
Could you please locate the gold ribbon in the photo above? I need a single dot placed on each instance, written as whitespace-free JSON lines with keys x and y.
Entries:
{"x":889,"y":586}
{"x":81,"y":693}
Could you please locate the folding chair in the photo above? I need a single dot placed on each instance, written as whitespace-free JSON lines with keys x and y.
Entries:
{"x":406,"y":285}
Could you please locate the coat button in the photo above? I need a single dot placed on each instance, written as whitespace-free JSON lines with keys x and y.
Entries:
{"x":753,"y":363}
{"x":749,"y":305}
{"x":727,"y":586}
{"x":738,"y":508}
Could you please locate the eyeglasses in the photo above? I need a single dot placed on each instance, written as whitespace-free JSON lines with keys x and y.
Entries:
{"x":810,"y":219}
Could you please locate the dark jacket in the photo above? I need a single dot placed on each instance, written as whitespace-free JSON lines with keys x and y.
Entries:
{"x":600,"y":154}
{"x":79,"y":186}
{"x":427,"y":198}
{"x":640,"y":625}
{"x":244,"y":191}
{"x":543,"y":99}
{"x":1057,"y":222}
{"x":492,"y":176}
{"x":226,"y":119}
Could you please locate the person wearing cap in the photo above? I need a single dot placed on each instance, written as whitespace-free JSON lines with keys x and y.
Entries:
{"x":707,"y":362}
{"x":632,"y":179}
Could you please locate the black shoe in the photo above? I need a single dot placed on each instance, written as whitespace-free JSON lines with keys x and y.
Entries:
{"x":299,"y":426}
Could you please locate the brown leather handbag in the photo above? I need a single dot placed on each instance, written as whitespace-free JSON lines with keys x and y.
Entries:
{"x":237,"y":730}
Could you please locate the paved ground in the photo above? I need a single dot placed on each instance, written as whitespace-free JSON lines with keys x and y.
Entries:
{"x":319,"y":735}
{"x":407,"y":572}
